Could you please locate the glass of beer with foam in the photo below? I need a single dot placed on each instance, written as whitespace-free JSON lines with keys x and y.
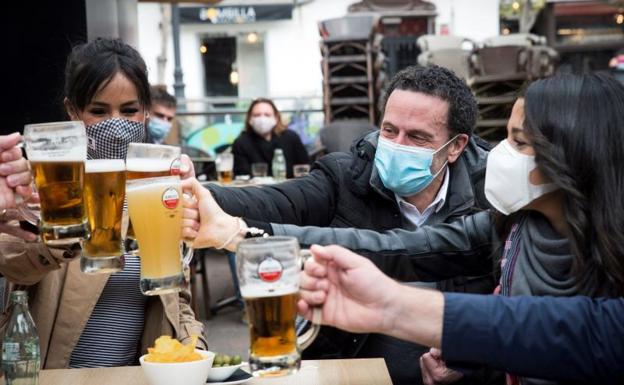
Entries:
{"x":104,"y":193}
{"x":57,"y":153}
{"x":268,"y":273}
{"x":146,"y":160}
{"x":156,"y":212}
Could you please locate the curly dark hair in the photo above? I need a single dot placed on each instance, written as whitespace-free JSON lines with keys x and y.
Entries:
{"x":442,"y":83}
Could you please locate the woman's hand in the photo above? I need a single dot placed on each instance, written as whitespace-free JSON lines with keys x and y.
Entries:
{"x":204,"y":223}
{"x":342,"y":283}
{"x":15,"y":175}
{"x":187,"y":169}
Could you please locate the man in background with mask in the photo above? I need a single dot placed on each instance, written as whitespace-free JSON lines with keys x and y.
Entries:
{"x":161,"y":115}
{"x":423,"y":167}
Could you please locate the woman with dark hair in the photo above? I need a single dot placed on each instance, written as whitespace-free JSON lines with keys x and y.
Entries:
{"x":557,"y":183}
{"x":265,"y":132}
{"x":101,"y":319}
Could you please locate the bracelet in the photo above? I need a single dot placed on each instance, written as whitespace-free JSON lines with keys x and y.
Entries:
{"x":248,"y":232}
{"x":234,"y":234}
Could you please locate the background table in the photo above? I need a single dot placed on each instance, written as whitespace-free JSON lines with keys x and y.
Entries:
{"x":325,"y":372}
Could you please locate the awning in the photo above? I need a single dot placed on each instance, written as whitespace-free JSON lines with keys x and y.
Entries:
{"x":236,"y":14}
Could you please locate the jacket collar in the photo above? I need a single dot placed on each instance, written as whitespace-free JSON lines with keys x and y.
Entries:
{"x":364,"y":175}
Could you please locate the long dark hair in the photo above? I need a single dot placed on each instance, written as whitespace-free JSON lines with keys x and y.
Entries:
{"x":576,"y":125}
{"x":91,"y":66}
{"x":279,"y":127}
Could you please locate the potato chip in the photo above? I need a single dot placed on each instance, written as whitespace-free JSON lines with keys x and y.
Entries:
{"x":170,"y":350}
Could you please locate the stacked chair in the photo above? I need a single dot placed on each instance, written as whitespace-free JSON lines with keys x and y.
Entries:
{"x":495,"y":70}
{"x":353,"y":67}
{"x":452,"y":52}
{"x":499,"y":69}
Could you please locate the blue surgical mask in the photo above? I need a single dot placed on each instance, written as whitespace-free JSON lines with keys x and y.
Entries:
{"x":405,"y":170}
{"x":158,"y":128}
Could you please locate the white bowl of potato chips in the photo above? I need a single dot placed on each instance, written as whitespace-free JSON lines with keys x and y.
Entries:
{"x":171,"y":363}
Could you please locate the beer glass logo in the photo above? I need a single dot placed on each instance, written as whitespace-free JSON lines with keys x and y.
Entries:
{"x":175,"y":166}
{"x":171,"y":198}
{"x":270,"y":270}
{"x":53,"y":143}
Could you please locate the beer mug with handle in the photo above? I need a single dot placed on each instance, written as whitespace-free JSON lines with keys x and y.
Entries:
{"x":57,"y":153}
{"x":268,"y":272}
{"x":104,"y":194}
{"x":146,"y":160}
{"x":155,"y":206}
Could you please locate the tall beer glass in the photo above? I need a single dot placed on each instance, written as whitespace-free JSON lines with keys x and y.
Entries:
{"x":268,"y":272}
{"x":156,"y":212}
{"x":104,"y":192}
{"x":57,"y":154}
{"x":148,"y":161}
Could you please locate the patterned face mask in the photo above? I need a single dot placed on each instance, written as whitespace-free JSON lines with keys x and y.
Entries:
{"x":109,"y":138}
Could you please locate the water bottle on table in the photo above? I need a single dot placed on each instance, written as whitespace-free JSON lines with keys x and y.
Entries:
{"x":279,"y":165}
{"x":20,"y":347}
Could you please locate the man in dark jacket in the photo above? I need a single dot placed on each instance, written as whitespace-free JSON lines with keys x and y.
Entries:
{"x":424,"y":166}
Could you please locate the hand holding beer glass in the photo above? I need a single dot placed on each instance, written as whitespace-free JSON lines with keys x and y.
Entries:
{"x":57,"y":154}
{"x":268,"y":272}
{"x":156,"y":212}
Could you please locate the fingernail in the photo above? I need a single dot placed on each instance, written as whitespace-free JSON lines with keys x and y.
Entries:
{"x":5,"y":169}
{"x":7,"y":156}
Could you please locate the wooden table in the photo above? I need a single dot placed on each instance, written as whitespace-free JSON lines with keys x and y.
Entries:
{"x":371,"y":371}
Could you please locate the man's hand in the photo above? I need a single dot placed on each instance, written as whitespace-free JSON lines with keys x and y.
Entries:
{"x":204,"y":223}
{"x":434,"y":369}
{"x":353,"y":293}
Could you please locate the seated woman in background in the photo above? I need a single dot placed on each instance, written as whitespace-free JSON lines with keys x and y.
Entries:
{"x":264,"y":133}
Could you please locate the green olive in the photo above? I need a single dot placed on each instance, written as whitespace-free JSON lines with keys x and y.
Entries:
{"x":226,"y":360}
{"x":218,"y":360}
{"x":236,"y":360}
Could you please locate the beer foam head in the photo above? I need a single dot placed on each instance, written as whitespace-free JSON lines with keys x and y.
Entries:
{"x":104,"y":165}
{"x":259,"y":290}
{"x":156,"y":184}
{"x":148,"y":165}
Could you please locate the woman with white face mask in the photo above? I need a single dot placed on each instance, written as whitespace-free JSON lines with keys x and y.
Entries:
{"x":100,"y":319}
{"x":557,"y":185}
{"x":264,"y":132}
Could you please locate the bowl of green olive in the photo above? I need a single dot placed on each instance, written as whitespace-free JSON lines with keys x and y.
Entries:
{"x":223,"y":366}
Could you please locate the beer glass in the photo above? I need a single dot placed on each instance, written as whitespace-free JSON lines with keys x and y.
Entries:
{"x":156,"y":212}
{"x":57,"y":154}
{"x":259,"y":170}
{"x":148,"y":161}
{"x":104,"y":194}
{"x":268,"y":273}
{"x":225,"y":167}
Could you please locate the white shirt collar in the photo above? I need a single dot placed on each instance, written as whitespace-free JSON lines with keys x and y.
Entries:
{"x":411,"y":212}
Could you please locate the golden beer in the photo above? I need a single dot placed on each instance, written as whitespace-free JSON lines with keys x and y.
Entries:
{"x":268,"y":273}
{"x":141,"y":168}
{"x":57,"y":152}
{"x":156,"y":212}
{"x":60,"y":190}
{"x":226,"y":177}
{"x":272,"y":325}
{"x":104,"y":192}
